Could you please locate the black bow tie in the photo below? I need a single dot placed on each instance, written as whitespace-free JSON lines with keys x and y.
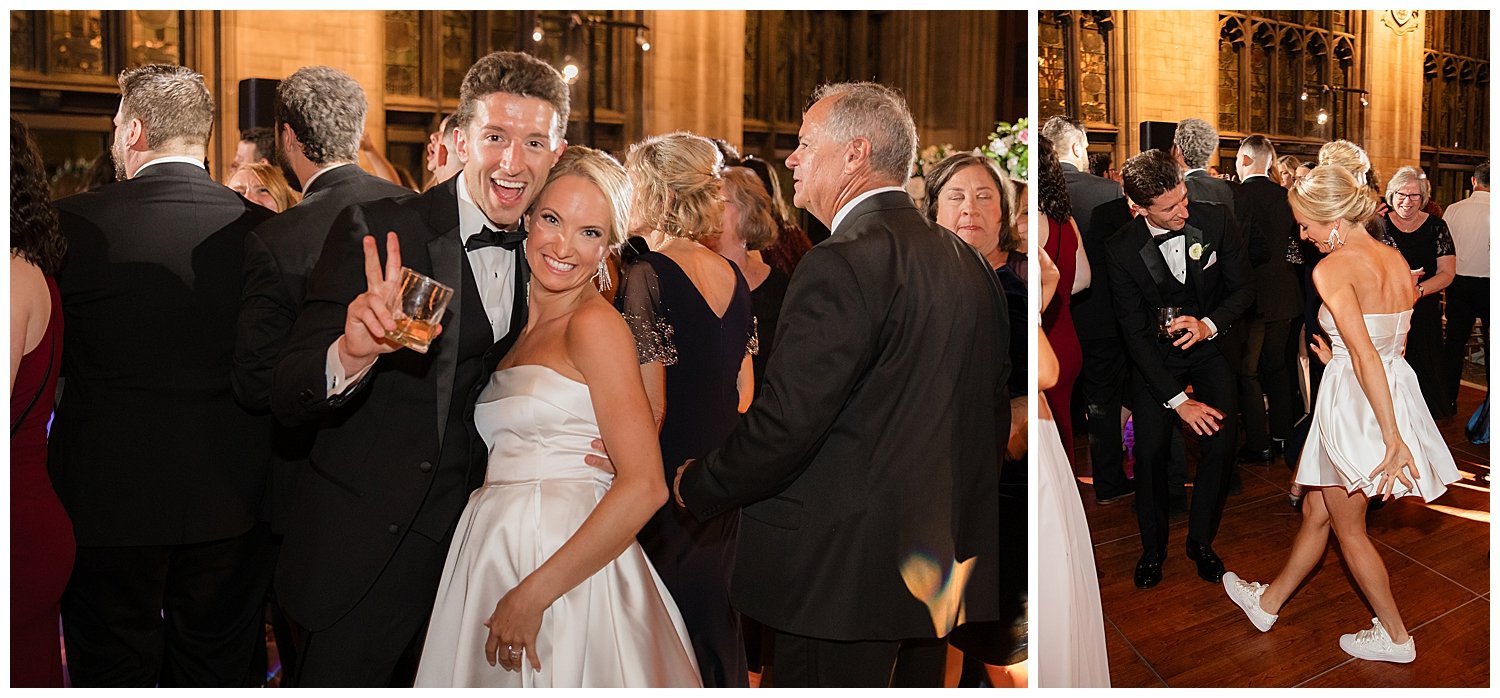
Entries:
{"x":1160,"y":238}
{"x":494,"y":238}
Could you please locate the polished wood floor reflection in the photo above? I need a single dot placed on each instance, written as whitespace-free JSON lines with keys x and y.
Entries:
{"x":1186,"y":632}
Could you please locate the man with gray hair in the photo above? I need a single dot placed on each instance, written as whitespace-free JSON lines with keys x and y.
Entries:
{"x":1193,"y":146}
{"x":320,"y":116}
{"x":867,"y":468}
{"x":160,"y":470}
{"x":1469,"y":294}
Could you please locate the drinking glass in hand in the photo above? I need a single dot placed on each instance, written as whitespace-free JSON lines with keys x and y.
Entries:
{"x":418,"y":309}
{"x":1164,"y":318}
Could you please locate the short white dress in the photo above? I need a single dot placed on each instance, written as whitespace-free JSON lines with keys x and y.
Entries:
{"x":1344,"y":441}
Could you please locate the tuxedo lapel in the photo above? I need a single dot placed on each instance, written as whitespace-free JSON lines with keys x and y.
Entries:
{"x":1156,"y":265}
{"x":446,"y":253}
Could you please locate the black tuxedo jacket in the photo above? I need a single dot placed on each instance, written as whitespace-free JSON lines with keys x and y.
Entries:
{"x":1269,"y":227}
{"x":869,"y":462}
{"x":279,"y":254}
{"x":1208,"y":189}
{"x":1085,"y":193}
{"x":378,"y":442}
{"x":1137,"y":273}
{"x":149,"y":446}
{"x":1093,"y":310}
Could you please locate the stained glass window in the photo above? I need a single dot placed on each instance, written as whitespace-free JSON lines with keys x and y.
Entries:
{"x":155,"y":37}
{"x":1073,"y":68}
{"x":1229,"y":87}
{"x":403,"y":52}
{"x":1052,"y":69}
{"x":23,"y":40}
{"x":76,"y":39}
{"x":456,"y":42}
{"x":1290,"y":52}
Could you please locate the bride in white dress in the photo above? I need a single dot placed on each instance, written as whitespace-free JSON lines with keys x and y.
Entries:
{"x":1371,"y":433}
{"x":544,"y":583}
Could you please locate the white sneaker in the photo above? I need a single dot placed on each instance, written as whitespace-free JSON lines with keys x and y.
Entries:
{"x":1375,"y":645}
{"x":1247,"y":595}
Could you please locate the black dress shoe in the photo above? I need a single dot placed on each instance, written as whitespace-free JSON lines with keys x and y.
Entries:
{"x":1253,"y":456}
{"x":1106,"y":500}
{"x":1148,"y":571}
{"x":1210,"y":567}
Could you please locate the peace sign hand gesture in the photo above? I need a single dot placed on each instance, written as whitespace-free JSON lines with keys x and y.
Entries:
{"x":369,"y":316}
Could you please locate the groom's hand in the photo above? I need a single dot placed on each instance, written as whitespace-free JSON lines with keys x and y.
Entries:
{"x":1203,"y":419}
{"x":600,"y":461}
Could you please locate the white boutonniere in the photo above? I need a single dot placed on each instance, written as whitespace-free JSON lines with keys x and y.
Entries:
{"x":1196,"y":251}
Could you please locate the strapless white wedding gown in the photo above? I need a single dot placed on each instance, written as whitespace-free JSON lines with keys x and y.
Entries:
{"x":1070,"y":649}
{"x":619,"y":628}
{"x":1344,"y":441}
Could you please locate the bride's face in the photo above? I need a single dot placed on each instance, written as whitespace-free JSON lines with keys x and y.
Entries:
{"x":567,"y":234}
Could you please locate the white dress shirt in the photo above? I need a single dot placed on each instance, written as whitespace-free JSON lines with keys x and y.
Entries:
{"x":170,"y":158}
{"x":494,"y":274}
{"x":1469,"y":224}
{"x":1174,"y":251}
{"x":846,"y":208}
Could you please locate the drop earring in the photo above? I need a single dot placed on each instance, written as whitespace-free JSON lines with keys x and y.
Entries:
{"x":601,"y":277}
{"x":1334,"y":241}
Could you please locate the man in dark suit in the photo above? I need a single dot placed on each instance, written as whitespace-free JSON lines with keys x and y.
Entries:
{"x":1266,"y":219}
{"x":1162,"y":260}
{"x":320,"y":116}
{"x":1102,"y":380}
{"x":397,"y":453}
{"x":867,"y":467}
{"x":1086,"y":191}
{"x":1193,"y":146}
{"x":159,"y":468}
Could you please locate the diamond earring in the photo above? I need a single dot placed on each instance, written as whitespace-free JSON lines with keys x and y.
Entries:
{"x":601,"y":277}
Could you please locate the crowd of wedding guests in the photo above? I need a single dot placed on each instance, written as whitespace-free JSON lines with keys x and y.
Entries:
{"x":1193,"y":281}
{"x":236,"y":440}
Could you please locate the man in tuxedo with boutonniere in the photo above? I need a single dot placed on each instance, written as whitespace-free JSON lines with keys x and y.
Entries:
{"x":1191,"y":257}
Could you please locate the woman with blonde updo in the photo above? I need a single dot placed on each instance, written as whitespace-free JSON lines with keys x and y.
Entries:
{"x":1428,"y":247}
{"x":1286,"y":170}
{"x":1348,"y":156}
{"x":690,"y":310}
{"x":1368,"y":418}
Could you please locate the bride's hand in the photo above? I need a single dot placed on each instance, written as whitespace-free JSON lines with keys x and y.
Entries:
{"x":513,"y":628}
{"x":1393,"y":467}
{"x":1320,"y":347}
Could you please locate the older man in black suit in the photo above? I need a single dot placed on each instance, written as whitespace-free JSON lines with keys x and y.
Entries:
{"x":320,"y":116}
{"x":868,"y":467}
{"x":159,"y":468}
{"x":1193,"y":146}
{"x":1161,"y":260}
{"x":397,"y":453}
{"x":1266,"y":218}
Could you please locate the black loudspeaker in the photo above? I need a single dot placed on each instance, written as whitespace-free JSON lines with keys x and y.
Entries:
{"x":257,"y":103}
{"x":1157,"y":134}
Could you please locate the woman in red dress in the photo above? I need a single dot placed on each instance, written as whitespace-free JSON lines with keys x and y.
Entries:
{"x":1060,"y":238}
{"x":41,"y":536}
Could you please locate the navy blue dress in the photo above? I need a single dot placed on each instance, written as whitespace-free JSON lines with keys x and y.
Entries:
{"x":702,"y":352}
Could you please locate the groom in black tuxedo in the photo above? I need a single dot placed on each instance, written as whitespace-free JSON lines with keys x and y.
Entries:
{"x":1176,"y":255}
{"x":397,"y":453}
{"x":867,"y":466}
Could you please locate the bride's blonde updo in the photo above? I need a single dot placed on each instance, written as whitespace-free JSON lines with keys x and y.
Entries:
{"x":677,"y":185}
{"x":1348,"y":156}
{"x":1330,"y":193}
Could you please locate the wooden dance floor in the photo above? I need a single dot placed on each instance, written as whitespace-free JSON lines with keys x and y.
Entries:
{"x":1186,"y":632}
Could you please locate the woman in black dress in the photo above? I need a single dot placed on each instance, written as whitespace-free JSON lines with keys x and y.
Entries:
{"x":690,"y":310}
{"x":1425,"y":242}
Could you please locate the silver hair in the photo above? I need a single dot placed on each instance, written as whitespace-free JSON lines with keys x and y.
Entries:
{"x":172,"y":101}
{"x":1197,"y":139}
{"x":1405,"y":176}
{"x":877,"y":113}
{"x":326,"y":109}
{"x":1064,"y":132}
